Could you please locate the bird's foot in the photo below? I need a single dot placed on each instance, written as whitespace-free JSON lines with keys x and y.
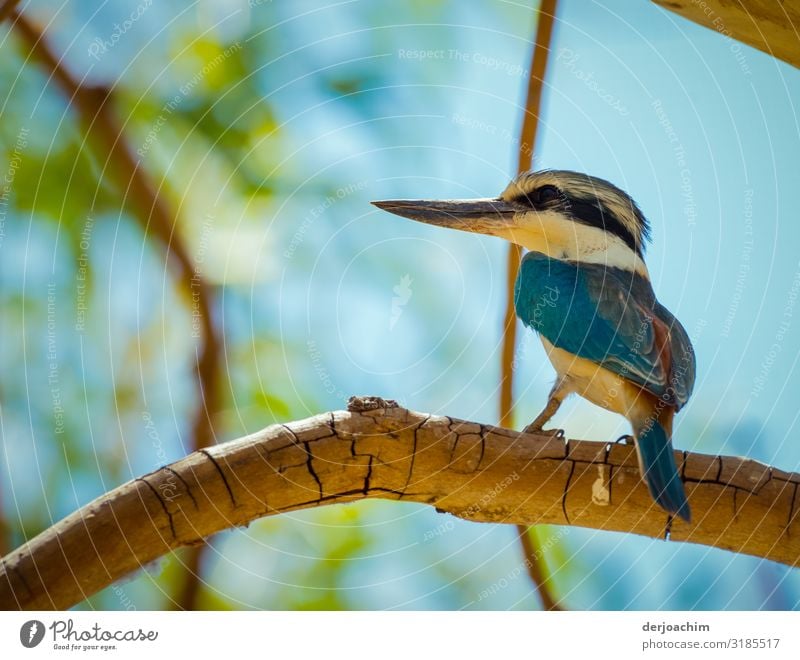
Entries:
{"x":624,"y":440}
{"x":538,"y":430}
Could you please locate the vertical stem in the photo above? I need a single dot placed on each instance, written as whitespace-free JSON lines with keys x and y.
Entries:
{"x":534,"y":559}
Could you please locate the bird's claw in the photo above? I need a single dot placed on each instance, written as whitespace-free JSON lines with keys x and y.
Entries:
{"x":555,"y":433}
{"x":624,"y":440}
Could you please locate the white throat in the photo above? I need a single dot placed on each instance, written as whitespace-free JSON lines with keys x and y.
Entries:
{"x":551,"y":234}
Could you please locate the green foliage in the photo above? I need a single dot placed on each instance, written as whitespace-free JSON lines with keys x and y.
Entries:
{"x":65,"y":186}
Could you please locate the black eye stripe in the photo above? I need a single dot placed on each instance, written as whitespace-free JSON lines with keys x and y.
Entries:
{"x":593,"y":213}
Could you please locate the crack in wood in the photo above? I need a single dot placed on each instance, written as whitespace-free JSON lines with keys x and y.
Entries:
{"x":768,"y":480}
{"x":283,"y":468}
{"x":483,"y":433}
{"x":206,"y":453}
{"x":185,"y":485}
{"x":610,"y":484}
{"x":310,"y":466}
{"x":791,"y":511}
{"x":729,"y":484}
{"x":566,"y":492}
{"x":305,"y":444}
{"x":369,"y":475}
{"x":330,"y":498}
{"x":416,"y":430}
{"x":163,"y":504}
{"x":455,"y":442}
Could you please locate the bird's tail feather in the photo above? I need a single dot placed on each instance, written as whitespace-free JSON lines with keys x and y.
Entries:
{"x":659,"y":470}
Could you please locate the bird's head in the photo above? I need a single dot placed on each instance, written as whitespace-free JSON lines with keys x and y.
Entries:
{"x":566,"y":215}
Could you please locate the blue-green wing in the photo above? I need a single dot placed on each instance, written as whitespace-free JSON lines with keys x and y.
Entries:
{"x":611,"y":317}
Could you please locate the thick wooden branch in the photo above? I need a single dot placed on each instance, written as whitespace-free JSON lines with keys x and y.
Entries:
{"x":376,"y":449}
{"x":770,"y":26}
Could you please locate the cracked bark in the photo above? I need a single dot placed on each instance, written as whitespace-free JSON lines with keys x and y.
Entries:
{"x":376,"y":449}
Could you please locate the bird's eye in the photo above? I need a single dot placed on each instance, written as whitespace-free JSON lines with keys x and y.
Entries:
{"x":541,"y":196}
{"x":546,"y":194}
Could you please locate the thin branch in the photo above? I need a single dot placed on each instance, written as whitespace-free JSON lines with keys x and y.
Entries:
{"x":535,"y":563}
{"x":7,"y":8}
{"x":534,"y":558}
{"x":376,"y":449}
{"x":538,"y":70}
{"x":94,"y":106}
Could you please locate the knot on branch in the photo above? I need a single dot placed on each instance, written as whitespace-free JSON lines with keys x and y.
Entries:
{"x":364,"y":403}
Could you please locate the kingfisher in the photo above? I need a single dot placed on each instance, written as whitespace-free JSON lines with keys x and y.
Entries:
{"x":584,"y":288}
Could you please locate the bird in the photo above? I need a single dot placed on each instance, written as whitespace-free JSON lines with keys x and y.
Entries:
{"x":584,"y":288}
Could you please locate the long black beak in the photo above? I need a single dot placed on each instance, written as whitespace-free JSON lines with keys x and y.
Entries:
{"x":482,"y":216}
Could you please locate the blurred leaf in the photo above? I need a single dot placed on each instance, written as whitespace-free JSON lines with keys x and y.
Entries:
{"x":277,"y":407}
{"x":64,"y":187}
